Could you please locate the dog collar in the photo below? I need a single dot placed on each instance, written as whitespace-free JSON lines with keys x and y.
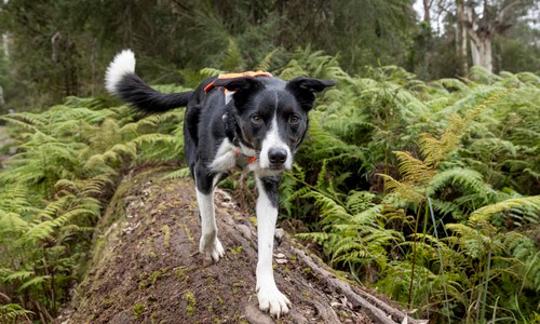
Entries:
{"x":252,"y":74}
{"x":250,"y":159}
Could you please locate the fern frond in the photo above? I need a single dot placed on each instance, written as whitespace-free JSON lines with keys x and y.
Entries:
{"x":13,"y":313}
{"x":210,"y":72}
{"x":266,"y":62}
{"x":405,"y":190}
{"x":178,"y":174}
{"x":485,"y":213}
{"x":413,"y":170}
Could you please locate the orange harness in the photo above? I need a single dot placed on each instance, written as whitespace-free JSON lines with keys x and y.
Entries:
{"x":251,"y":74}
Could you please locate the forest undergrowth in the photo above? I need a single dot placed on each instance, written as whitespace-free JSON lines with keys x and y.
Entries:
{"x":427,"y":192}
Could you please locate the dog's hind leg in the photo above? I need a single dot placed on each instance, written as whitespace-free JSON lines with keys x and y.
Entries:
{"x":270,"y":298}
{"x":209,"y":245}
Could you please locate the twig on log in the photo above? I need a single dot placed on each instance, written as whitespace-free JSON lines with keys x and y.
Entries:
{"x":377,"y":309}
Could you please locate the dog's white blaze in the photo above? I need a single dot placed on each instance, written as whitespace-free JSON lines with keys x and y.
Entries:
{"x":122,"y":64}
{"x":269,"y":296}
{"x":273,"y":140}
{"x":225,"y":158}
{"x":209,"y":243}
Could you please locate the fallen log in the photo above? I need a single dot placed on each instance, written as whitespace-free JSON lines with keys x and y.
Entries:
{"x":146,"y":268}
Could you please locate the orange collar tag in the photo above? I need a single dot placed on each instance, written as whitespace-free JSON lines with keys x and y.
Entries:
{"x":249,"y":159}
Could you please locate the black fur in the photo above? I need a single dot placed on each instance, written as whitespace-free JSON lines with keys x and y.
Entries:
{"x":209,"y":120}
{"x":136,"y":92}
{"x":304,"y":89}
{"x":260,"y":128}
{"x":271,"y":186}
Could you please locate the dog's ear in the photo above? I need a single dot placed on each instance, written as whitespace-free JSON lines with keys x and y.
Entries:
{"x":304,"y":90}
{"x":243,"y":88}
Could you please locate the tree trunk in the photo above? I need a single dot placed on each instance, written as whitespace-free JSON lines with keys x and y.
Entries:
{"x":481,"y":32}
{"x":5,"y":44}
{"x":427,"y":11}
{"x":5,"y":39}
{"x":146,"y":267}
{"x":461,"y":39}
{"x":481,"y":52}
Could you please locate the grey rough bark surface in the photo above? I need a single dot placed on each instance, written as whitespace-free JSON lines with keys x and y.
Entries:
{"x":147,"y":269}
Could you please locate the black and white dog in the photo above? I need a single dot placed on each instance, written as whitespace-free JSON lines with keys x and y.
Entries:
{"x":256,"y":122}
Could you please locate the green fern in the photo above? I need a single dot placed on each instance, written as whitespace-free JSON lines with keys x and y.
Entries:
{"x":424,"y":191}
{"x":13,"y":313}
{"x":54,"y":188}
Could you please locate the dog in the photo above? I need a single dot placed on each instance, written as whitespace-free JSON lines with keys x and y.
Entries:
{"x":252,"y":120}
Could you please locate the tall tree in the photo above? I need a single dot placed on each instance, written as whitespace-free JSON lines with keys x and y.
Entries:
{"x":461,"y":39}
{"x":483,"y":20}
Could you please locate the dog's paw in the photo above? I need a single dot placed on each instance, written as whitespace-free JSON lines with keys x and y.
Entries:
{"x":211,"y":248}
{"x":272,"y":300}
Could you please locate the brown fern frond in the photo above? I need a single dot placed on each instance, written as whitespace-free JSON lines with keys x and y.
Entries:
{"x":414,"y":171}
{"x":405,"y":190}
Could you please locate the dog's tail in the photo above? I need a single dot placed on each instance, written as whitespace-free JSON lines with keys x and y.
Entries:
{"x":121,"y":80}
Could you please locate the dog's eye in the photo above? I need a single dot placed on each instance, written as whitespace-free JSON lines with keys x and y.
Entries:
{"x":256,"y":119}
{"x":293,"y":120}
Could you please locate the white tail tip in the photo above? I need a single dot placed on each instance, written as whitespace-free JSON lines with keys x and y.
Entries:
{"x":122,"y":64}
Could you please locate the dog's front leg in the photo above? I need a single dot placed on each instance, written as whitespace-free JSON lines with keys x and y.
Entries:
{"x":270,"y":298}
{"x":209,"y":245}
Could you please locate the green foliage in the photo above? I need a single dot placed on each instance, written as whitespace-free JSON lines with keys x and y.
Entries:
{"x":70,"y":42}
{"x":12,"y":313}
{"x":68,"y":162}
{"x":426,"y":192}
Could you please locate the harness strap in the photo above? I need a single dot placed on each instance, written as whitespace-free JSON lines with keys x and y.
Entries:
{"x":252,"y":74}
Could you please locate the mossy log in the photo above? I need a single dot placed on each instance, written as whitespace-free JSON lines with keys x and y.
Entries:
{"x":147,"y":269}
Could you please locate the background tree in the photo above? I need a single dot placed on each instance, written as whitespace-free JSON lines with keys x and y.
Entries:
{"x":484,"y":20}
{"x":62,"y":47}
{"x":492,"y":34}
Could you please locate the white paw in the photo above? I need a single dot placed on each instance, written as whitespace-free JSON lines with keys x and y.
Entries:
{"x":211,"y":248}
{"x":272,"y":300}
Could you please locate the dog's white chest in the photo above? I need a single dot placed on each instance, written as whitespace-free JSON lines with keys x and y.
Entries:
{"x":229,"y":157}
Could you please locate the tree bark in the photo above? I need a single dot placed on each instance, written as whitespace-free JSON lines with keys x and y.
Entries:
{"x":480,"y":36}
{"x":461,"y":39}
{"x":481,"y":52}
{"x":482,"y":30}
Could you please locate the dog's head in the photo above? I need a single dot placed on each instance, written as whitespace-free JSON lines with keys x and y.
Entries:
{"x":272,"y":115}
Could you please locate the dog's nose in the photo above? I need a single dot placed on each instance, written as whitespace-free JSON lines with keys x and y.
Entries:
{"x":277,"y":156}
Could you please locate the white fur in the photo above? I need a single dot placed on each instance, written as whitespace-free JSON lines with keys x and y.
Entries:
{"x":269,"y":296}
{"x":216,"y":180}
{"x":209,"y":244}
{"x":228,"y":96}
{"x":227,"y":155}
{"x":246,"y":150}
{"x":122,"y":64}
{"x":225,"y":158}
{"x":273,"y":140}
